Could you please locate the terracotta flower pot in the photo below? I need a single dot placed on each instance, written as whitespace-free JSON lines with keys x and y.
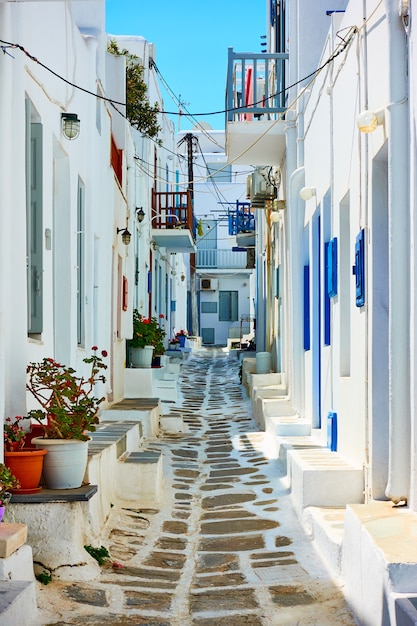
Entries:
{"x":27,"y":466}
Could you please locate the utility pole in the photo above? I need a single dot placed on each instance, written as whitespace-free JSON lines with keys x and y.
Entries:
{"x":190,"y":140}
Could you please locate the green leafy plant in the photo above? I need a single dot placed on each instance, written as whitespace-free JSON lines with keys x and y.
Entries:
{"x":68,"y":407}
{"x":147,"y":332}
{"x":7,"y":481}
{"x":140,"y":113}
{"x":44,"y":577}
{"x":101,"y":554}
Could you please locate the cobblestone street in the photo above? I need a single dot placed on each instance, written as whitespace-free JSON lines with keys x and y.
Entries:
{"x":224,"y":548}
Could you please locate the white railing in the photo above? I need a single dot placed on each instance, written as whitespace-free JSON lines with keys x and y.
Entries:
{"x":221,"y":259}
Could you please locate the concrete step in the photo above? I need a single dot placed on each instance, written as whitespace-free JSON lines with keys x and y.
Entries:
{"x":140,"y":478}
{"x":287,"y":426}
{"x":379,"y":565}
{"x":319,"y":477}
{"x":171,"y":424}
{"x":131,"y":409}
{"x":326,"y":526}
{"x":17,"y":603}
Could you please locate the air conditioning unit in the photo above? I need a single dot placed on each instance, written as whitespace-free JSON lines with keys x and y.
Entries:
{"x":209,"y":284}
{"x":261,"y":189}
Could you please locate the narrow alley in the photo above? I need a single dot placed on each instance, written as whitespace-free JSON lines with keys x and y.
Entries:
{"x":224,"y":548}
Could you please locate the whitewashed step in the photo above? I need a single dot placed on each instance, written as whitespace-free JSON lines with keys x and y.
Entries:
{"x":319,"y":477}
{"x":288,"y":426}
{"x":140,"y":477}
{"x":17,"y":603}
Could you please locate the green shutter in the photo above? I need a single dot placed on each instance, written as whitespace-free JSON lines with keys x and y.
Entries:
{"x":34,"y":227}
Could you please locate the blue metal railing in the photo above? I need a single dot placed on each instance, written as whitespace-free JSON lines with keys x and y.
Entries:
{"x":255,"y":86}
{"x":241,"y":219}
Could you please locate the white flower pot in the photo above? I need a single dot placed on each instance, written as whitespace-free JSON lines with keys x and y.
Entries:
{"x":141,"y":357}
{"x":65,"y":464}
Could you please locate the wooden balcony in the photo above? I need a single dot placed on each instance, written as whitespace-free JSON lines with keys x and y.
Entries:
{"x":173,"y":221}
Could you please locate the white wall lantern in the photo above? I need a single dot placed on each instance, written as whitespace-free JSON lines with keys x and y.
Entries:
{"x":367,"y":121}
{"x":306,"y":193}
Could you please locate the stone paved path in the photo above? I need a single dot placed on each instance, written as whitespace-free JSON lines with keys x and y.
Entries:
{"x":225,"y":548}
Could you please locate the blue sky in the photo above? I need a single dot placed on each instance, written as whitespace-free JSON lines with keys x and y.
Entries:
{"x":191,"y":40}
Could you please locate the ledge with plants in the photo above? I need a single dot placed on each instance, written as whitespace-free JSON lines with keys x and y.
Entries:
{"x":68,"y":413}
{"x":147,"y":341}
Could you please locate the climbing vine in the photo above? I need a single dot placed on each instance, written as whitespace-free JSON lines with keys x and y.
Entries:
{"x":139,"y":111}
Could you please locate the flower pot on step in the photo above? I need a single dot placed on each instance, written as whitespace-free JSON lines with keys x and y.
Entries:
{"x":141,"y":357}
{"x":26,"y":465}
{"x":65,"y":464}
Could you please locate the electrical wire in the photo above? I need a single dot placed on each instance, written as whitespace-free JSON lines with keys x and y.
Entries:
{"x":8,"y":44}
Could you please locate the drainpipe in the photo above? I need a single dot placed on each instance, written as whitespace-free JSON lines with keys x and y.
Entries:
{"x":260,"y":334}
{"x":399,"y":272}
{"x":295,"y":293}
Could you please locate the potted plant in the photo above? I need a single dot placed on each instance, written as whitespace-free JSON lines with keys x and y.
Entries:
{"x":147,"y":334}
{"x":24,"y":461}
{"x":69,"y":411}
{"x":159,"y":344}
{"x":181,"y":336}
{"x":174,"y":343}
{"x":7,"y":482}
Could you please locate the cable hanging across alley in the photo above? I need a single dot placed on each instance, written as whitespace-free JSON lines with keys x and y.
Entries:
{"x":7,"y":44}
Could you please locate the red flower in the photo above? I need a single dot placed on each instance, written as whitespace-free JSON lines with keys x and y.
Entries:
{"x":161,"y":316}
{"x":94,"y":348}
{"x":104,"y":353}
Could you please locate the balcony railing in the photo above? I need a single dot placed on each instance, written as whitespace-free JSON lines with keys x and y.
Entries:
{"x":173,"y":223}
{"x":221,"y":259}
{"x":172,"y":209}
{"x":241,"y":219}
{"x":255,"y":86}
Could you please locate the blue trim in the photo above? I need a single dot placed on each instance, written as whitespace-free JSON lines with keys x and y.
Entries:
{"x":306,"y":316}
{"x":149,"y":281}
{"x":277,"y":272}
{"x":326,"y":303}
{"x":359,"y":268}
{"x":332,"y":431}
{"x":332,"y":268}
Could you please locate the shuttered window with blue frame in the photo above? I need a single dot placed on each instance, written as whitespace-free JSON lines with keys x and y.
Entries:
{"x":359,"y":268}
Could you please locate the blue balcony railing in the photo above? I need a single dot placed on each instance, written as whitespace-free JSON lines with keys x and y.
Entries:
{"x":255,"y":86}
{"x":241,"y":219}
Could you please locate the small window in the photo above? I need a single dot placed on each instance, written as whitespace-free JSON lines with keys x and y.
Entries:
{"x":219,"y":172}
{"x":209,"y":307}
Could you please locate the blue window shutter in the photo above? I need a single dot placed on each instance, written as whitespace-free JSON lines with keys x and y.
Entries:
{"x":228,"y":306}
{"x":34,"y":225}
{"x":326,"y":306}
{"x":306,"y":316}
{"x":332,"y":268}
{"x":149,"y":281}
{"x":359,"y":268}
